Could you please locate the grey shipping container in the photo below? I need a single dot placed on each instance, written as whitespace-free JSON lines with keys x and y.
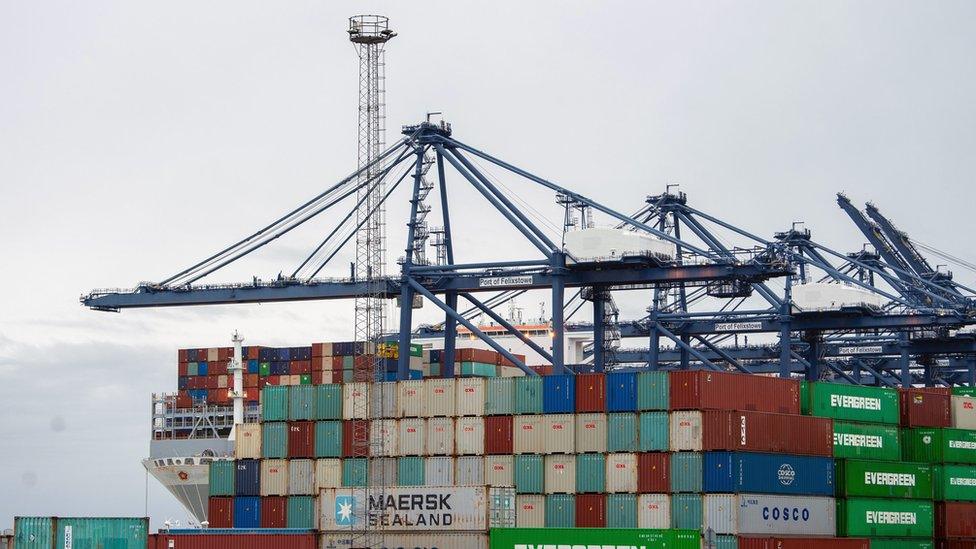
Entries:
{"x":770,"y":515}
{"x":469,"y":471}
{"x":439,"y":471}
{"x":301,"y":477}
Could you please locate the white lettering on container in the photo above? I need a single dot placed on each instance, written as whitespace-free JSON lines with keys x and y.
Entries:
{"x":890,"y":517}
{"x":889,"y":479}
{"x":855,"y":402}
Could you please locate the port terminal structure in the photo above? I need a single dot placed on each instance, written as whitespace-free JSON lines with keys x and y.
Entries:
{"x":861,"y":317}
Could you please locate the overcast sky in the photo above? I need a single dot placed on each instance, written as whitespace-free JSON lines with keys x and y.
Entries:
{"x":136,"y":137}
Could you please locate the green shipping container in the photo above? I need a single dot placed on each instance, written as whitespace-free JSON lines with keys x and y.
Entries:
{"x":888,"y":543}
{"x":954,"y":482}
{"x":866,"y":441}
{"x":479,"y":369}
{"x":301,"y":512}
{"x":301,"y":402}
{"x":940,"y":445}
{"x":560,"y":511}
{"x":652,"y":391}
{"x":512,"y":538}
{"x":725,"y":542}
{"x":500,"y":396}
{"x":410,"y":471}
{"x":870,"y":517}
{"x":528,"y":395}
{"x":306,"y":379}
{"x":686,"y":511}
{"x":883,"y":479}
{"x":591,"y":475}
{"x":81,"y":532}
{"x":622,"y":432}
{"x":274,"y":440}
{"x":328,"y":439}
{"x":685,"y":472}
{"x":328,"y":401}
{"x":192,"y":369}
{"x":654,"y":432}
{"x":274,"y":403}
{"x":264,"y":369}
{"x":621,"y":511}
{"x":858,"y":403}
{"x":964,"y":391}
{"x":222,"y":473}
{"x":354,"y":471}
{"x":529,"y":474}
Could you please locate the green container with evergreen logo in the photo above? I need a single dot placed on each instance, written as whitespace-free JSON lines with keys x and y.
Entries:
{"x":222,"y":473}
{"x":940,"y":445}
{"x":858,"y":403}
{"x":274,"y":403}
{"x":866,"y":441}
{"x":954,"y":482}
{"x":872,"y":517}
{"x":883,"y":479}
{"x":917,"y":543}
{"x":512,"y":538}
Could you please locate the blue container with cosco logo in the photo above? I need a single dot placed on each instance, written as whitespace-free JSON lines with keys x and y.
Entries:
{"x":747,"y":472}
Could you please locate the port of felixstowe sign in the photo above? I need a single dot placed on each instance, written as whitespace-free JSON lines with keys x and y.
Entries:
{"x":595,"y":538}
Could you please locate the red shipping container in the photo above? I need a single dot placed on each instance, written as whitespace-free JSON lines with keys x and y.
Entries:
{"x":355,"y":438}
{"x":500,"y":359}
{"x":238,"y":540}
{"x":220,"y":512}
{"x":318,"y":350}
{"x":273,"y":509}
{"x":706,"y":390}
{"x":253,"y":353}
{"x":196,"y":382}
{"x":203,"y":355}
{"x":218,"y":368}
{"x":182,"y":369}
{"x":498,"y":435}
{"x":337,"y":363}
{"x":183,"y":400}
{"x":925,"y":407}
{"x":211,"y":382}
{"x":324,"y":377}
{"x":362,"y":374}
{"x":225,"y":353}
{"x":652,"y":473}
{"x":182,"y":356}
{"x":250,"y":380}
{"x":804,"y":543}
{"x":363,"y":362}
{"x":320,"y":363}
{"x":764,"y":432}
{"x":590,"y":393}
{"x":955,"y":519}
{"x":252,"y":396}
{"x":955,"y":544}
{"x":591,"y":511}
{"x":301,"y":439}
{"x":272,"y":380}
{"x":544,"y":370}
{"x":218,"y":396}
{"x":299,"y":367}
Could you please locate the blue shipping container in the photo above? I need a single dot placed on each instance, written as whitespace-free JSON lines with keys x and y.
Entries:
{"x":622,"y":392}
{"x":182,"y":383}
{"x":201,"y":368}
{"x":265,"y":354}
{"x":732,"y":472}
{"x":284,"y":353}
{"x":247,"y":512}
{"x":253,"y":367}
{"x":247,"y":477}
{"x":558,"y":394}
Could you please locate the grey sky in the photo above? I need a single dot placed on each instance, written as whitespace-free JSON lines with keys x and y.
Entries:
{"x":138,"y":136}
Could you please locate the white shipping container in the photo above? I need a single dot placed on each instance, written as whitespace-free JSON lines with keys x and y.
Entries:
{"x":382,"y":472}
{"x":355,"y":400}
{"x":463,"y":508}
{"x":685,"y":431}
{"x":560,"y":433}
{"x":440,"y":436}
{"x":560,"y":474}
{"x":601,"y":243}
{"x":213,"y":354}
{"x":766,"y":515}
{"x":285,"y":380}
{"x":469,"y":436}
{"x":222,"y":382}
{"x":530,"y":511}
{"x":399,"y":540}
{"x":510,"y":371}
{"x":654,"y":511}
{"x":383,"y":437}
{"x":247,"y":441}
{"x":963,"y":412}
{"x":412,"y":436}
{"x":591,"y":433}
{"x":328,"y":473}
{"x":295,"y":380}
{"x":382,"y":400}
{"x":410,"y":398}
{"x":439,"y":396}
{"x":621,"y":473}
{"x":529,"y":435}
{"x":499,"y":470}
{"x":439,"y":471}
{"x":274,"y":477}
{"x":301,"y":477}
{"x":469,"y":471}
{"x":470,"y":396}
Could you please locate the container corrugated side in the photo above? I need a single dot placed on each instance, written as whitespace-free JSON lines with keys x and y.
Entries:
{"x":469,"y":470}
{"x":652,"y":391}
{"x":621,"y":510}
{"x":748,"y":472}
{"x":274,"y":440}
{"x":410,"y":471}
{"x":400,"y":540}
{"x":228,"y":539}
{"x":530,"y":511}
{"x":853,"y":402}
{"x":500,"y":396}
{"x":439,"y":397}
{"x":705,"y":390}
{"x":955,"y":519}
{"x":528,"y":395}
{"x":686,"y":511}
{"x":55,"y":532}
{"x":866,"y":441}
{"x":685,"y":472}
{"x":302,"y":512}
{"x":939,"y":445}
{"x":954,"y":482}
{"x":355,"y":400}
{"x":520,"y":538}
{"x":765,"y":514}
{"x":560,"y":433}
{"x":439,"y":471}
{"x":383,"y":400}
{"x":301,"y":477}
{"x":529,"y":474}
{"x":874,"y":517}
{"x":621,"y":471}
{"x":302,"y":403}
{"x":560,"y":474}
{"x":470,"y":396}
{"x":384,"y":437}
{"x":469,"y":436}
{"x":654,"y":433}
{"x":274,"y":403}
{"x":807,"y":543}
{"x":328,"y":439}
{"x":382,"y":471}
{"x":883,"y":479}
{"x":412,"y":436}
{"x":222,"y":473}
{"x":622,"y":432}
{"x":529,"y":436}
{"x":591,"y":473}
{"x":328,"y":401}
{"x":905,"y":543}
{"x":591,"y":433}
{"x":500,"y":470}
{"x":654,"y":511}
{"x":560,"y":511}
{"x":440,"y":436}
{"x":963,"y":412}
{"x":274,"y":477}
{"x":247,"y":442}
{"x":328,"y":473}
{"x":410,"y":398}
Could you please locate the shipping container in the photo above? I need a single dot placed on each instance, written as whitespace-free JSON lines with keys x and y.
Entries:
{"x":355,"y":400}
{"x":559,"y":433}
{"x":354,"y":472}
{"x":955,"y":519}
{"x":439,"y":471}
{"x":301,"y":439}
{"x":81,"y":532}
{"x":528,"y":395}
{"x":652,"y":472}
{"x":530,"y":438}
{"x":963,"y":410}
{"x":559,"y":394}
{"x":500,"y":397}
{"x":499,"y":436}
{"x":751,"y":432}
{"x":410,"y":398}
{"x":591,"y":433}
{"x":410,"y":471}
{"x":707,"y":390}
{"x":846,"y":402}
{"x":866,"y":441}
{"x":219,"y":538}
{"x":769,"y":514}
{"x":621,"y":390}
{"x":954,"y":482}
{"x":942,"y":544}
{"x":621,"y":471}
{"x":529,"y":474}
{"x":590,"y":393}
{"x":469,"y":471}
{"x":273,"y":512}
{"x":247,"y":442}
{"x":925,"y":407}
{"x":222,"y":473}
{"x":530,"y":511}
{"x":686,"y":511}
{"x":440,"y":436}
{"x":274,"y":404}
{"x":274,"y":439}
{"x":301,"y":477}
{"x":328,"y":439}
{"x":591,"y":511}
{"x":654,"y":511}
{"x":500,"y":470}
{"x":383,"y":400}
{"x":302,"y":402}
{"x":459,"y":508}
{"x":355,"y":438}
{"x":412,"y":436}
{"x":247,"y":477}
{"x":652,"y":391}
{"x":274,"y":477}
{"x":591,"y":473}
{"x":519,"y":538}
{"x":621,"y":511}
{"x":384,"y":437}
{"x":439,"y":397}
{"x":560,"y":474}
{"x":220,"y":512}
{"x":470,"y":396}
{"x":654,"y":432}
{"x":247,"y":512}
{"x":328,"y":473}
{"x":402,"y":540}
{"x":939,"y":445}
{"x":808,"y":543}
{"x":469,"y":436}
{"x":747,"y":472}
{"x":560,"y":511}
{"x":871,"y":517}
{"x":883,"y":479}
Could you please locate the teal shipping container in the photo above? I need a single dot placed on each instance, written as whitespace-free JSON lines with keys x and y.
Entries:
{"x":500,"y":396}
{"x":328,"y":439}
{"x":686,"y":473}
{"x":301,"y":403}
{"x":528,"y":395}
{"x":652,"y":391}
{"x":192,"y":369}
{"x":621,"y":510}
{"x":274,"y":403}
{"x":560,"y":511}
{"x":622,"y":432}
{"x":591,"y":475}
{"x":686,"y":511}
{"x":654,"y":431}
{"x":301,"y":512}
{"x":274,"y":440}
{"x":222,"y":472}
{"x":410,"y":471}
{"x":726,"y":542}
{"x":479,"y":369}
{"x":81,"y":533}
{"x":529,"y":474}
{"x":354,"y":471}
{"x":328,"y":401}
